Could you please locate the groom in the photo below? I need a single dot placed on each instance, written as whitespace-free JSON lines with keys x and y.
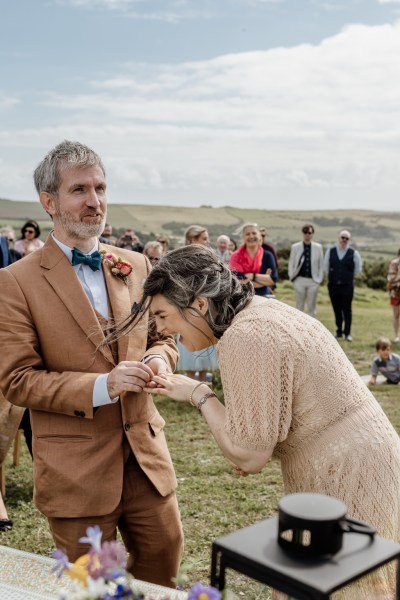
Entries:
{"x":100,"y":455}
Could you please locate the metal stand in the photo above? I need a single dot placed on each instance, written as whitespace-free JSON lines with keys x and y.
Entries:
{"x":254,"y":551}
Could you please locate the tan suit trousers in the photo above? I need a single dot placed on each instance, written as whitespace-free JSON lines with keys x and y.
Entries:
{"x":149,"y":524}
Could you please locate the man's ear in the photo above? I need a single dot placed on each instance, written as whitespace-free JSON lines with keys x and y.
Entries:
{"x":201,"y":304}
{"x":48,"y":202}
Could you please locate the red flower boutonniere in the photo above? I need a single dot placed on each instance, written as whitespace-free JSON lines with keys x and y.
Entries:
{"x":119,"y":268}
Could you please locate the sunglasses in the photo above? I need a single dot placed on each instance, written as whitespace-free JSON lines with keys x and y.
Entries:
{"x":154,"y":258}
{"x":343,"y":237}
{"x":308,"y":232}
{"x":29,"y":231}
{"x":11,"y":240}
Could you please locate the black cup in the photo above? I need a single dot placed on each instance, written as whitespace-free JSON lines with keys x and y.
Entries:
{"x":312,"y":525}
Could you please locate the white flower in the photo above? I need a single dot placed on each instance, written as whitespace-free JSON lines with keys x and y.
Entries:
{"x":93,"y":537}
{"x":96,"y":588}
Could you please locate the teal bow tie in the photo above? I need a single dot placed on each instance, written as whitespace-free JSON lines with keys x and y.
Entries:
{"x":91,"y":260}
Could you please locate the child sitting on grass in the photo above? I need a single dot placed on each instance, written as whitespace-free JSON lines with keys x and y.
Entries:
{"x":386,"y":363}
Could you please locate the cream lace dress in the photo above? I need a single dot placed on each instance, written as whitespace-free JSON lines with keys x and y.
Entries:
{"x":289,"y":385}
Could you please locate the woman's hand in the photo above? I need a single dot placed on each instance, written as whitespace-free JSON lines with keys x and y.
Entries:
{"x":177,"y":387}
{"x":238,"y":471}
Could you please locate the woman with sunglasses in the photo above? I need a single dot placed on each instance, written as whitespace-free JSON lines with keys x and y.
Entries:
{"x":29,"y":241}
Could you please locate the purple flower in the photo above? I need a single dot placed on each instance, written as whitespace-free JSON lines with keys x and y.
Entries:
{"x":93,"y":537}
{"x":202,"y":592}
{"x":62,"y":563}
{"x":109,"y":562}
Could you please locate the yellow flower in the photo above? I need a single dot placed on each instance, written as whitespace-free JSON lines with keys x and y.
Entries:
{"x":78,"y":569}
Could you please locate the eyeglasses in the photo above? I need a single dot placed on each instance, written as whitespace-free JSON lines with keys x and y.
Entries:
{"x":308,"y":232}
{"x":29,"y":231}
{"x":343,"y":237}
{"x":154,"y":258}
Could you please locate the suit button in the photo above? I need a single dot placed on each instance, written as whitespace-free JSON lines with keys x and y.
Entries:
{"x":79,"y":413}
{"x":127,"y":426}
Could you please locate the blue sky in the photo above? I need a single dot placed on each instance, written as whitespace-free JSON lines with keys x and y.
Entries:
{"x":276,"y":104}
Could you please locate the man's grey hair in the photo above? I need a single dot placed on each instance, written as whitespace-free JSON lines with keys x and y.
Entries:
{"x":152,"y":245}
{"x":224,"y":238}
{"x":64,"y":156}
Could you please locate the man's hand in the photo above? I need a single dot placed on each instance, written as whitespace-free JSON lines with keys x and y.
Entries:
{"x":129,"y":376}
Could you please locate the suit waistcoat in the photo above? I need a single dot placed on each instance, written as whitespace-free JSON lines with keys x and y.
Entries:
{"x":341,"y":272}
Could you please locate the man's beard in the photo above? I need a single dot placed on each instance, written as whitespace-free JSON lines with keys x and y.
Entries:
{"x":78,"y":229}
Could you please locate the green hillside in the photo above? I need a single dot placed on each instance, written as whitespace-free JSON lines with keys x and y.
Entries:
{"x":371,"y":230}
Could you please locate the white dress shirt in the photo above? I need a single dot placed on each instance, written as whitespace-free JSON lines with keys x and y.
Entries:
{"x":95,"y":287}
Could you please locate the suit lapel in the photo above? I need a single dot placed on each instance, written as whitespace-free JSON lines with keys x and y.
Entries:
{"x":64,"y":281}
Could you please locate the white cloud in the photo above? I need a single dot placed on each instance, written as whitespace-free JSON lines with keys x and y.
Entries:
{"x":299,"y":120}
{"x":7,"y":102}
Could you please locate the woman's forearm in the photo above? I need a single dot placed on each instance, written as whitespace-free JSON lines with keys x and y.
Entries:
{"x":251,"y":461}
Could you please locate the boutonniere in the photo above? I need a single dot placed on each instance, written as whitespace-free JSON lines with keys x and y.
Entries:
{"x":119,"y":268}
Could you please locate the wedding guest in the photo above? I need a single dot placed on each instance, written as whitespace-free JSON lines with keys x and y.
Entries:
{"x":196,"y":234}
{"x":153,"y":250}
{"x":29,"y":241}
{"x":254,"y":264}
{"x":164,"y":241}
{"x":232,"y":246}
{"x":222,"y":250}
{"x":306,"y":270}
{"x":100,"y":454}
{"x":290,"y":392}
{"x":393,"y":286}
{"x":5,"y":258}
{"x":342,"y":264}
{"x":200,"y":362}
{"x":9,"y":234}
{"x":130,"y":241}
{"x":107,"y":236}
{"x":386,"y":363}
{"x":24,"y":420}
{"x":266,"y":245}
{"x":5,"y":523}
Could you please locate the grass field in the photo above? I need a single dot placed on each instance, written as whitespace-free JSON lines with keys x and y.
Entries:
{"x":213,"y":500}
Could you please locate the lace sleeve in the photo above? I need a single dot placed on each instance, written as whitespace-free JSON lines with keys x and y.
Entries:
{"x":257,"y":376}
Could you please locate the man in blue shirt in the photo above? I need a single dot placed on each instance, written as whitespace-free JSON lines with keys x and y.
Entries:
{"x":342,"y":263}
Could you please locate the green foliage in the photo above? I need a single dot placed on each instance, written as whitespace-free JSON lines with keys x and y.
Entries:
{"x":375,"y":274}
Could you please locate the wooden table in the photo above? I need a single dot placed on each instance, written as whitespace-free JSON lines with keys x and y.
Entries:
{"x":26,"y":576}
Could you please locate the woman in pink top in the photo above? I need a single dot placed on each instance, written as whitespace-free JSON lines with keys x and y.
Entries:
{"x":29,"y":241}
{"x":252,"y":263}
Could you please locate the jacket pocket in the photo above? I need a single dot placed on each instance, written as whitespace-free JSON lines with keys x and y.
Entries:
{"x":156,"y":424}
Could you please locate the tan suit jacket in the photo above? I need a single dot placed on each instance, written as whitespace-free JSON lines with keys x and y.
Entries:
{"x":50,"y":360}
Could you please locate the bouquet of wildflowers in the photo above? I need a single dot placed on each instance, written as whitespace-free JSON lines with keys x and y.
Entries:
{"x":101,"y":574}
